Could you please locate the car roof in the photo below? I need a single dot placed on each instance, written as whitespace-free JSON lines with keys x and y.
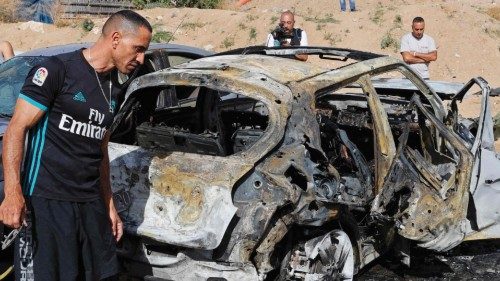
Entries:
{"x":445,"y":90}
{"x":329,"y":53}
{"x":59,"y":49}
{"x":280,"y":69}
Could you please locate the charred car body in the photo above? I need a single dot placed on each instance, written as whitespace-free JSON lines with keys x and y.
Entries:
{"x":254,"y":167}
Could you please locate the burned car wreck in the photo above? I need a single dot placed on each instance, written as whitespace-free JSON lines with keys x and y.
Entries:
{"x":254,"y":167}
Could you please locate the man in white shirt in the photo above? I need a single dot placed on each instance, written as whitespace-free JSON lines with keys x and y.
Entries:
{"x":286,"y":35}
{"x":418,"y":49}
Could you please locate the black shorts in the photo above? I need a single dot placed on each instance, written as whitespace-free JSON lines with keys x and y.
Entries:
{"x":65,"y":241}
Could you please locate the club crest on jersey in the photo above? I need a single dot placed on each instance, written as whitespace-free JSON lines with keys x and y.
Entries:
{"x":40,"y":76}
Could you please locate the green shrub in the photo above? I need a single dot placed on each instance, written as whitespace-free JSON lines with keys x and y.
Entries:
{"x":202,"y":4}
{"x":398,"y":22}
{"x":253,"y":34}
{"x":251,"y":17}
{"x":87,"y":25}
{"x":332,"y":39}
{"x":389,"y":41}
{"x":162,"y":36}
{"x":192,"y":25}
{"x":227,"y":42}
{"x":242,"y":26}
{"x":327,"y":19}
{"x":139,"y":4}
{"x":377,"y":17}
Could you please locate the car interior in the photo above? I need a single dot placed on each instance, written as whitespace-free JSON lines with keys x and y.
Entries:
{"x":191,"y":119}
{"x":347,"y":135}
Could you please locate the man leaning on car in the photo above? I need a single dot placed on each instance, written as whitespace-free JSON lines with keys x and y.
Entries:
{"x":63,"y":199}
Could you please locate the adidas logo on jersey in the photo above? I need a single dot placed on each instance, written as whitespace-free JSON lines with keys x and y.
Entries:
{"x":79,"y":97}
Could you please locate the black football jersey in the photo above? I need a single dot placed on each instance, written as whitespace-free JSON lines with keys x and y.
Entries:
{"x":63,"y":153}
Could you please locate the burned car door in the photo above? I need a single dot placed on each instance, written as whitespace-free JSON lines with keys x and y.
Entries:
{"x":173,"y":165}
{"x":426,"y":192}
{"x":485,"y":179}
{"x":361,"y":126}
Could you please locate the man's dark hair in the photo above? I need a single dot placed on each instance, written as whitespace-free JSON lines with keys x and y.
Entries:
{"x":418,"y":19}
{"x":126,"y":19}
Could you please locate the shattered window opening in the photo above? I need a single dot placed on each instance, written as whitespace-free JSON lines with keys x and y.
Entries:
{"x":196,"y":120}
{"x":347,"y":139}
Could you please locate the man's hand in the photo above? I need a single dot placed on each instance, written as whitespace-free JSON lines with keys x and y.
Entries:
{"x":285,"y":43}
{"x":428,"y":57}
{"x":13,"y":209}
{"x":301,"y":57}
{"x":116,"y":223}
{"x":107,"y":194}
{"x":411,"y":58}
{"x":415,"y":57}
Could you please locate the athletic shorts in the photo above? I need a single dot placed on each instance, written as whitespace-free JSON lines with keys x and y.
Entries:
{"x":65,"y":241}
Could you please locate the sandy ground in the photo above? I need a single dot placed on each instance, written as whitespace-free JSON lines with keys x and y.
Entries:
{"x":466,"y":31}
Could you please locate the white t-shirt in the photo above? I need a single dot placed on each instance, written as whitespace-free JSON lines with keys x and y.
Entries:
{"x":423,"y":45}
{"x":270,"y":42}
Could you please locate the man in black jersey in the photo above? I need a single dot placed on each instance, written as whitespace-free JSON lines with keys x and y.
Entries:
{"x":63,"y":199}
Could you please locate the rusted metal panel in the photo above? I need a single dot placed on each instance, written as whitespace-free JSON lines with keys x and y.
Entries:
{"x":485,"y":179}
{"x":384,"y":146}
{"x":437,"y":222}
{"x":346,"y":75}
{"x":174,"y":199}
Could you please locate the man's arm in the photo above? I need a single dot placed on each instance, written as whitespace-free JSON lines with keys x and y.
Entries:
{"x":25,"y":116}
{"x":302,"y":57}
{"x":407,"y":53}
{"x":106,"y":193}
{"x":432,"y":56}
{"x":410,"y":58}
{"x":6,"y":49}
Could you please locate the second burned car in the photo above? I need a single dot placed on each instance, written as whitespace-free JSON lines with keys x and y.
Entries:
{"x":253,"y":167}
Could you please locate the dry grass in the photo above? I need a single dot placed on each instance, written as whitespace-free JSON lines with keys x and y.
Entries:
{"x":7,"y":10}
{"x":494,"y":12}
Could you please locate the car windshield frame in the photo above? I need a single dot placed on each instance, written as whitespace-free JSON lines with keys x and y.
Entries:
{"x":13,"y":73}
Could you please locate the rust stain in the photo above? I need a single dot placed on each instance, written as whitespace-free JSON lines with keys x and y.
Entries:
{"x":185,"y":182}
{"x":184,"y":188}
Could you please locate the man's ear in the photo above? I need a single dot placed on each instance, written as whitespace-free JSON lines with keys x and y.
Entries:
{"x":115,"y":39}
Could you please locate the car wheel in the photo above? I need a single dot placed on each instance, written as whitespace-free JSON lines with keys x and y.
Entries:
{"x":330,"y":255}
